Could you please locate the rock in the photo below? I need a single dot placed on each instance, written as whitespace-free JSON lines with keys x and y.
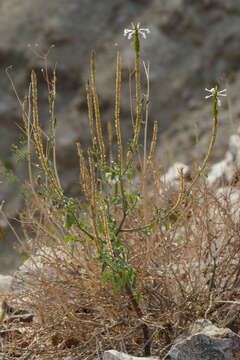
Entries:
{"x":205,"y":341}
{"x":5,"y":283}
{"x":169,"y":182}
{"x":223,"y":170}
{"x":171,"y":178}
{"x":227,"y":169}
{"x":37,"y":266}
{"x":118,"y":355}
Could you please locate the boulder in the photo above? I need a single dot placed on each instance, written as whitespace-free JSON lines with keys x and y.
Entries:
{"x":205,"y":341}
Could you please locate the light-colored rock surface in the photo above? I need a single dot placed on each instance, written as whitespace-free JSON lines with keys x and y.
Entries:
{"x":37,"y":266}
{"x":118,"y":355}
{"x":227,"y":169}
{"x":171,"y":178}
{"x":5,"y":282}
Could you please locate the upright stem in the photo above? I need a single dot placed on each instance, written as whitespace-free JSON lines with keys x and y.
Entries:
{"x":138,"y":101}
{"x":147,"y":342}
{"x":214,"y":133}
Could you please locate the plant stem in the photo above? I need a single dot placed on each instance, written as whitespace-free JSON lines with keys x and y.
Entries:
{"x":147,"y":339}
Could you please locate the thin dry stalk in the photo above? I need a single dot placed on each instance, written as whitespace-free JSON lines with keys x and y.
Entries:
{"x":90,"y":114}
{"x":93,"y":202}
{"x":38,"y":138}
{"x":84,"y":172}
{"x":97,"y":110}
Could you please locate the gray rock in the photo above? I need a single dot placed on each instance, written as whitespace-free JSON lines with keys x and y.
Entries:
{"x":205,"y":341}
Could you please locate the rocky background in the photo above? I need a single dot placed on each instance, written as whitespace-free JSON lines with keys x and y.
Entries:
{"x":193,"y":44}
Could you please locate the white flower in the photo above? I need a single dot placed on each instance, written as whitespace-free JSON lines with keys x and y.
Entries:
{"x":130,"y":32}
{"x":219,"y":93}
{"x":112,"y":180}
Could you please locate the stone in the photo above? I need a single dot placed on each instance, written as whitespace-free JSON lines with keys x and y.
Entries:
{"x":118,"y":355}
{"x":227,"y":169}
{"x":39,"y":265}
{"x":205,"y":341}
{"x":172,"y":176}
{"x":5,"y":282}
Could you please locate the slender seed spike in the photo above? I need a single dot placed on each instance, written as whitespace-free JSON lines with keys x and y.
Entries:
{"x":153,"y":144}
{"x":38,"y":138}
{"x":110,"y":140}
{"x":97,"y":111}
{"x":84,"y":172}
{"x":93,"y":200}
{"x":90,"y":114}
{"x":180,"y":194}
{"x":106,"y":229}
{"x":138,"y":102}
{"x":117,"y":109}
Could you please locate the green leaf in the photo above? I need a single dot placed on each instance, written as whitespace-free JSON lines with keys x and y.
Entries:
{"x":115,"y":284}
{"x":138,"y":298}
{"x":130,"y":273}
{"x":67,"y":239}
{"x":69,"y":221}
{"x":106,"y":276}
{"x":104,"y":265}
{"x":134,"y":282}
{"x":24,"y":258}
{"x":118,"y":243}
{"x":166,"y":224}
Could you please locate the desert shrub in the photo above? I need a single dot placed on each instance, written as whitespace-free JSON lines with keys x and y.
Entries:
{"x":118,"y":267}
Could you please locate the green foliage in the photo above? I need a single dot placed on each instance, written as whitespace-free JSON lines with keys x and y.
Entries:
{"x":20,"y":150}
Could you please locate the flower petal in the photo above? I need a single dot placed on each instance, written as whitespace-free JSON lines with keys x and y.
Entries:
{"x":142,"y":33}
{"x":145,"y":30}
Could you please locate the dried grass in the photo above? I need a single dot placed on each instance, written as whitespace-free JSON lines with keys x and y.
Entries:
{"x":187,"y":272}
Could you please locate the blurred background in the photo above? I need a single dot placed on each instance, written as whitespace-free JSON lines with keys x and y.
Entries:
{"x":193,"y":44}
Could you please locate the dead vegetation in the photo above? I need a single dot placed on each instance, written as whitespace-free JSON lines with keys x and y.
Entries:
{"x":123,"y":265}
